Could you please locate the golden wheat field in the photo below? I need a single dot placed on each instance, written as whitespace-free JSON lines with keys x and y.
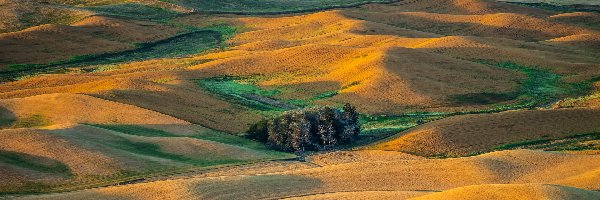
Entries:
{"x":290,"y":99}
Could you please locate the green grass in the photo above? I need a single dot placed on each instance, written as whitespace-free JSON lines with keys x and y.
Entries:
{"x":330,"y":94}
{"x":209,"y":135}
{"x":571,"y":102}
{"x":33,"y":163}
{"x":541,"y":87}
{"x":183,"y":45}
{"x":562,"y":8}
{"x":577,"y":142}
{"x":31,"y":122}
{"x":385,"y":125}
{"x":150,"y":149}
{"x":135,"y":130}
{"x":236,"y":90}
{"x":194,"y":42}
{"x":522,"y":144}
{"x":123,"y":147}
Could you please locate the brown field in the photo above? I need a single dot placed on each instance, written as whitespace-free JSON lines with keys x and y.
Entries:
{"x":151,"y":119}
{"x":49,"y":43}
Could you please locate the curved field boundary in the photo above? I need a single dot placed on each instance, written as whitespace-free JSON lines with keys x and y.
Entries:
{"x":107,"y":58}
{"x":560,"y":8}
{"x":142,"y":178}
{"x":307,"y":10}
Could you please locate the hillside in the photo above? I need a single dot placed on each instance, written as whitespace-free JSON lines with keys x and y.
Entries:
{"x":399,"y":178}
{"x":471,"y":134}
{"x":149,"y":99}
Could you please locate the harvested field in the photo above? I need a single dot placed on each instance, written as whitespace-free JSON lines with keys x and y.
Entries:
{"x":153,"y":98}
{"x":472,"y":134}
{"x":525,"y":172}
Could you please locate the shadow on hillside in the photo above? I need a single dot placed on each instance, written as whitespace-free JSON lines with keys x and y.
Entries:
{"x":232,"y":187}
{"x":7,"y":118}
{"x":441,"y":27}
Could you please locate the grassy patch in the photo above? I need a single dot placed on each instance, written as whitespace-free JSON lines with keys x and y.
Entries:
{"x":33,"y":162}
{"x":236,"y":90}
{"x":136,"y":130}
{"x":178,"y":46}
{"x":182,"y":45}
{"x":579,"y":142}
{"x":572,"y":102}
{"x":399,"y":122}
{"x":522,"y":144}
{"x":209,"y":135}
{"x":330,"y":94}
{"x":147,"y":149}
{"x":31,"y":122}
{"x":154,"y":150}
{"x":582,"y":97}
{"x":244,"y":91}
{"x":540,"y":87}
{"x":377,"y":128}
{"x":562,"y":8}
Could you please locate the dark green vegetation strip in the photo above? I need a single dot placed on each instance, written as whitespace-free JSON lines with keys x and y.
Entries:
{"x":185,"y":44}
{"x":238,"y":91}
{"x":135,"y":130}
{"x":31,"y":122}
{"x":562,"y":8}
{"x":258,"y":7}
{"x":119,"y":144}
{"x":204,"y":135}
{"x":244,"y":91}
{"x":540,"y":88}
{"x":579,"y":142}
{"x":33,"y":162}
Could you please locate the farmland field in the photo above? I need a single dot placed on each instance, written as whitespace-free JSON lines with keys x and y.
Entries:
{"x":290,"y":99}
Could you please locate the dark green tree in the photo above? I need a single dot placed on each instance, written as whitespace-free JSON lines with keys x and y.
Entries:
{"x":308,"y":129}
{"x":351,"y":121}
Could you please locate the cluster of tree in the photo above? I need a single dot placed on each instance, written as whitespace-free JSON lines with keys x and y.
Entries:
{"x":309,"y":129}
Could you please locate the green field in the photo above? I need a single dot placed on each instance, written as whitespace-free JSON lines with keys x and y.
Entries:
{"x":34,"y":163}
{"x":245,"y":91}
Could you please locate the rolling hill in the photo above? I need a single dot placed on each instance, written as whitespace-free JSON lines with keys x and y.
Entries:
{"x":399,"y":178}
{"x":148,"y":99}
